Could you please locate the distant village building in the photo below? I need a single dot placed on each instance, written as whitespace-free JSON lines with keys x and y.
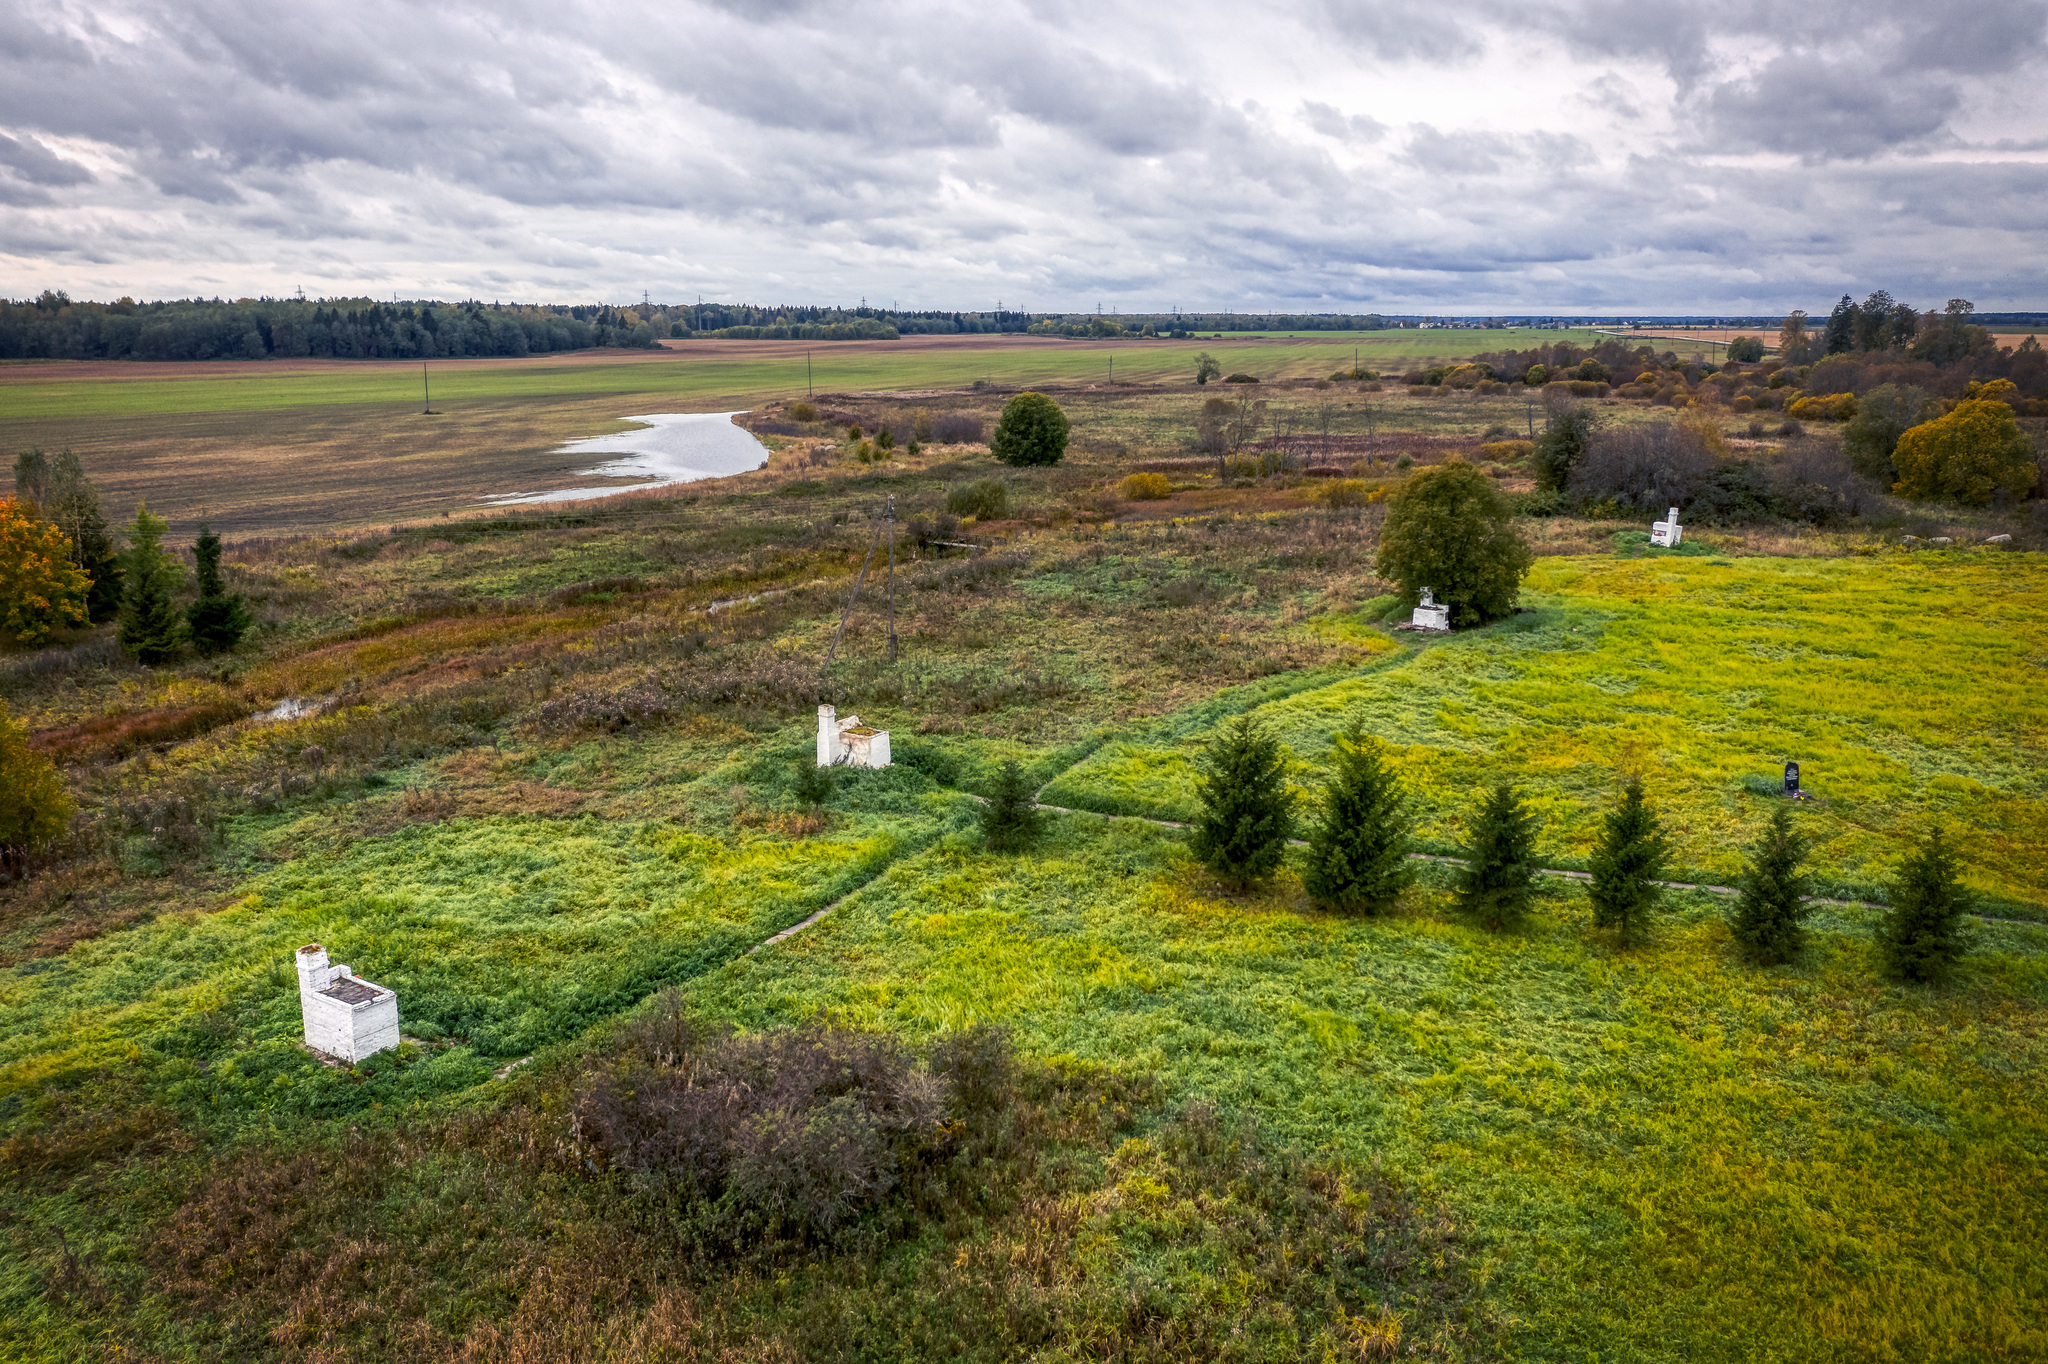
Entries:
{"x":346,"y":1017}
{"x":848,"y":742}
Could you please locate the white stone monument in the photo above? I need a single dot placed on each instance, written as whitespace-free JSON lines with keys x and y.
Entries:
{"x":1429,"y":615}
{"x":1667,"y":533}
{"x":848,"y":742}
{"x":346,"y":1017}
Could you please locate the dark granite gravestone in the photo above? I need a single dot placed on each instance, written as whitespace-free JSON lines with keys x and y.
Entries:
{"x":1792,"y":779}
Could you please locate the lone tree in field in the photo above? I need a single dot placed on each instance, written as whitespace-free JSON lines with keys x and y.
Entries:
{"x":1011,"y":821}
{"x":219,"y":619}
{"x":1032,"y":430}
{"x":1922,"y":937}
{"x":151,"y":627}
{"x":1206,"y":368}
{"x":34,"y":807}
{"x":1358,"y":849}
{"x":1499,"y":876}
{"x":1626,"y":865}
{"x":40,"y":588}
{"x":1771,"y":910}
{"x":1561,"y":447}
{"x":1451,"y":528}
{"x":1247,"y":810}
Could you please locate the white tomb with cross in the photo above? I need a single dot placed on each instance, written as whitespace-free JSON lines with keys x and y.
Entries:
{"x":1429,"y":614}
{"x":1667,"y":533}
{"x":848,"y":742}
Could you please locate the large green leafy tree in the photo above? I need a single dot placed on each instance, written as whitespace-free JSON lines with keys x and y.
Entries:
{"x":58,"y":487}
{"x":1562,"y":447}
{"x":1626,"y":865}
{"x":1922,"y":937}
{"x":1452,"y":529}
{"x":1031,"y":431}
{"x":1882,"y":416}
{"x":1011,"y":821}
{"x":1358,"y":849}
{"x":1247,"y":810}
{"x":1770,"y":910}
{"x":152,"y":627}
{"x":1499,"y":877}
{"x":218,"y":619}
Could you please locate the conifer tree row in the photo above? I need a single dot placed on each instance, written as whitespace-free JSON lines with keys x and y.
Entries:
{"x":152,"y":628}
{"x":1358,"y":849}
{"x":1247,"y":810}
{"x":1499,"y":876}
{"x":218,"y":619}
{"x":1770,"y":910}
{"x":1626,"y":865}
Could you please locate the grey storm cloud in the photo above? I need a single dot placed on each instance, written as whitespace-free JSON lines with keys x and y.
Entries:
{"x":1503,"y":155}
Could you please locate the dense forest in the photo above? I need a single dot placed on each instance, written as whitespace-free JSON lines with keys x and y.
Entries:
{"x":55,"y":328}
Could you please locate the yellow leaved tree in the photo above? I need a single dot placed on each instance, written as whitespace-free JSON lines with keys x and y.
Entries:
{"x":40,"y":588}
{"x":1968,"y":456}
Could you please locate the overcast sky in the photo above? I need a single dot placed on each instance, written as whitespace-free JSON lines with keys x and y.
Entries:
{"x":1495,"y":155}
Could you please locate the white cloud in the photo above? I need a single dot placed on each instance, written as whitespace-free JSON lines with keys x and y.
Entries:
{"x":1495,"y":157}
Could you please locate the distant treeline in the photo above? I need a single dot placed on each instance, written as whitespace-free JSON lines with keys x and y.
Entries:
{"x":55,"y":328}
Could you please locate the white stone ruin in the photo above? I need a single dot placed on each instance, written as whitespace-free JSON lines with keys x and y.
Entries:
{"x":848,"y":742}
{"x":1429,"y":615}
{"x":346,"y":1017}
{"x":1667,"y":533}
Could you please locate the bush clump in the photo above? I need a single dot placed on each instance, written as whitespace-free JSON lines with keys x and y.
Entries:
{"x":985,"y":499}
{"x":1452,"y":529}
{"x":1031,"y":432}
{"x":957,"y":428}
{"x":783,"y":1135}
{"x":1885,"y":414}
{"x":34,"y":807}
{"x":1240,"y":378}
{"x":1145,"y":488}
{"x":1974,"y":455}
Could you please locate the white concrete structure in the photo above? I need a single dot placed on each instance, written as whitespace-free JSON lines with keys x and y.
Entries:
{"x":848,"y":742}
{"x":346,"y":1017}
{"x":1429,"y":615}
{"x":1667,"y":533}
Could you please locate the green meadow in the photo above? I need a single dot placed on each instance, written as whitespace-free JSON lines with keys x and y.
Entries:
{"x":1904,"y":687}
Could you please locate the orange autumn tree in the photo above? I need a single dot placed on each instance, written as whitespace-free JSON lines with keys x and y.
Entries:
{"x":1967,"y":456}
{"x":40,"y":588}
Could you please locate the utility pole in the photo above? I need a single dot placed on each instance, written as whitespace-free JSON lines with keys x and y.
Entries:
{"x":890,"y":516}
{"x":809,"y":391}
{"x":427,"y":410}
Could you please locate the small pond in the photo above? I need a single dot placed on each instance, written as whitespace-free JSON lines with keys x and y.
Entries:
{"x":668,"y":447}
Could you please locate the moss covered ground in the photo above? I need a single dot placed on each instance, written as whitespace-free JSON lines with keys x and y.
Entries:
{"x":541,"y":779}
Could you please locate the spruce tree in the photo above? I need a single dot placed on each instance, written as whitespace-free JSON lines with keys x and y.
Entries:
{"x":218,"y":619}
{"x":1358,"y":849}
{"x":1769,"y":912}
{"x":1921,"y":937}
{"x":151,"y":627}
{"x":1626,"y":865}
{"x":1499,"y":876}
{"x":813,"y":785}
{"x":1011,"y":821}
{"x":1247,"y":810}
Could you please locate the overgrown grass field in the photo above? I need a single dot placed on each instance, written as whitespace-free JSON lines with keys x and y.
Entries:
{"x":542,"y":780}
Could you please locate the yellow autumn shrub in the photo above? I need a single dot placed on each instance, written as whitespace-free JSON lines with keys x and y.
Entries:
{"x":40,"y":588}
{"x":1825,"y":407}
{"x":1145,"y":488}
{"x":34,"y":807}
{"x":1967,"y":456}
